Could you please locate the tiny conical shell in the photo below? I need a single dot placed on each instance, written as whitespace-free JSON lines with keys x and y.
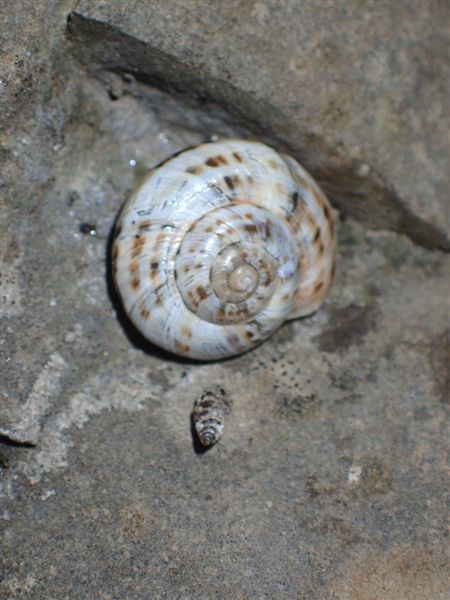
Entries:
{"x":211,"y":409}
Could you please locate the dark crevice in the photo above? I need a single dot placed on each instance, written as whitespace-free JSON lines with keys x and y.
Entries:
{"x":5,"y":440}
{"x":370,"y":200}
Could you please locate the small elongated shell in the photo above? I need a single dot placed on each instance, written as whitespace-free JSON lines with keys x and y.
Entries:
{"x":211,"y":409}
{"x":220,"y":245}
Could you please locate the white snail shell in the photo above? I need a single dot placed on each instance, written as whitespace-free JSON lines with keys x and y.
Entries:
{"x":220,"y":245}
{"x":211,"y":409}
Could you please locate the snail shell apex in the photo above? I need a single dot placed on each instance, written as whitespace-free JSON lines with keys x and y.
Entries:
{"x":220,"y":245}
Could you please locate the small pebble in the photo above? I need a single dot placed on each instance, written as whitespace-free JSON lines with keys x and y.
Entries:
{"x":88,"y":229}
{"x":116,"y":89}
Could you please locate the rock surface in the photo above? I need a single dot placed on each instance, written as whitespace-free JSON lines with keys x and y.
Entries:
{"x":357,"y":91}
{"x":331,"y":477}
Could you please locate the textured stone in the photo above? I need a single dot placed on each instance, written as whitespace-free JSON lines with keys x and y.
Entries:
{"x":356,"y":91}
{"x":330,"y":480}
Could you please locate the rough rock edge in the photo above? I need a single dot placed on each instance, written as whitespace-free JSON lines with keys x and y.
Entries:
{"x":370,"y":199}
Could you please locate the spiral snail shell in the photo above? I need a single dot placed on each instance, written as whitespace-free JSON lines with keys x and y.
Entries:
{"x":220,"y":245}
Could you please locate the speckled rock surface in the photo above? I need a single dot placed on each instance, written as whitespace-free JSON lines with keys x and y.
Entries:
{"x":330,"y":480}
{"x":357,"y":91}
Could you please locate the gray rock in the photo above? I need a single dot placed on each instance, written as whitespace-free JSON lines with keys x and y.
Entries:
{"x":331,"y":475}
{"x":356,"y":92}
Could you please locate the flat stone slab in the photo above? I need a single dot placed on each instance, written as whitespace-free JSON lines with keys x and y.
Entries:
{"x":355,"y":91}
{"x":332,"y":473}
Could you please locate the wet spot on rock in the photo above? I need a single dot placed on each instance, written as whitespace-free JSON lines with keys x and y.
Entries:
{"x":403,"y":572}
{"x":299,"y":405}
{"x":318,"y":487}
{"x":12,"y":252}
{"x":375,"y":478}
{"x":440,"y":362}
{"x":135,"y":521}
{"x":286,"y":333}
{"x":348,"y":327}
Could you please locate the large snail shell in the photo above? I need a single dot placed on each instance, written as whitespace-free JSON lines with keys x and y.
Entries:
{"x":220,"y":245}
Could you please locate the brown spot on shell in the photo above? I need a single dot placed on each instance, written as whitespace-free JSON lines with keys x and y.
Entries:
{"x":194,"y":170}
{"x":216,"y":161}
{"x":202,"y":293}
{"x":182,"y":347}
{"x":186,"y":331}
{"x":301,"y":181}
{"x":135,"y":283}
{"x":186,"y":268}
{"x":154,"y":269}
{"x":144,"y":224}
{"x":318,"y":286}
{"x":285,"y":298}
{"x":208,"y":229}
{"x":145,"y":313}
{"x":304,"y":259}
{"x":231,"y":181}
{"x":220,"y":222}
{"x":321,"y":248}
{"x":273,"y":163}
{"x":238,"y":157}
{"x":251,"y":228}
{"x":134,"y":266}
{"x":138,"y":245}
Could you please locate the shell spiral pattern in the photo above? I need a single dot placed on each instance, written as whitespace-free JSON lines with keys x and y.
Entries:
{"x":219,"y":246}
{"x":211,"y":410}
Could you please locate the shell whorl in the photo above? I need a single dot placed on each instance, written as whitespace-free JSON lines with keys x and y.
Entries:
{"x":219,"y":246}
{"x":210,"y":413}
